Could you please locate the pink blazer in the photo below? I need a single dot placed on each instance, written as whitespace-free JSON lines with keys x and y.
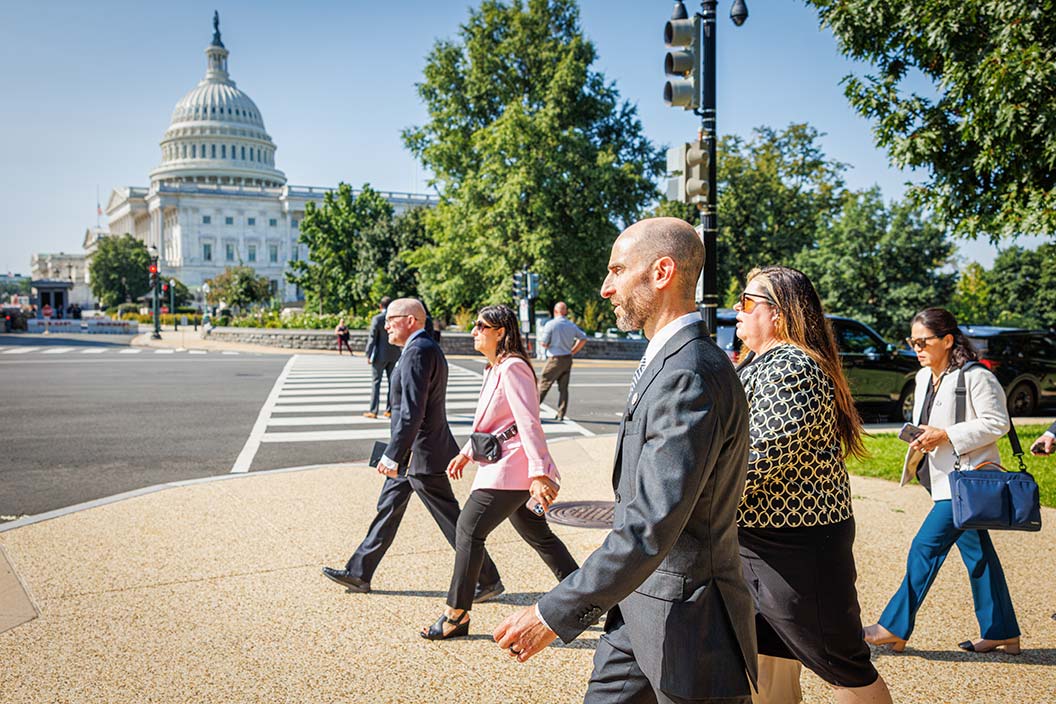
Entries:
{"x":509,"y":396}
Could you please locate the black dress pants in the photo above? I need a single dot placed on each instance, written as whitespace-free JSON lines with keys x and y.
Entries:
{"x":435,"y":492}
{"x":375,"y":390}
{"x":485,"y":509}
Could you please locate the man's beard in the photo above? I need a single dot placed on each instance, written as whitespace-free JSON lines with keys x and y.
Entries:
{"x":636,"y":308}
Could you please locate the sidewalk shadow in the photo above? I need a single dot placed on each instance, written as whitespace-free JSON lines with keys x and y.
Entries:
{"x":1029,"y":656}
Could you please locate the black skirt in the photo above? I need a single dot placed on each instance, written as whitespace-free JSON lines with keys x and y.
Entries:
{"x":802,"y":580}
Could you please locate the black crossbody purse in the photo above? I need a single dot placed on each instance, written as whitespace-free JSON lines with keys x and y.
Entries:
{"x":487,"y":447}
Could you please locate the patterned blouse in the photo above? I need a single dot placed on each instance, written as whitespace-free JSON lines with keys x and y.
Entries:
{"x":796,"y":473}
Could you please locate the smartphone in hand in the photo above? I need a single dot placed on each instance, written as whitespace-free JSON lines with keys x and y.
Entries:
{"x":909,"y":432}
{"x":1038,"y":448}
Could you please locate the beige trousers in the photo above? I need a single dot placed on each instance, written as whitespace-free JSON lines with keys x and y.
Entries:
{"x":778,"y":681}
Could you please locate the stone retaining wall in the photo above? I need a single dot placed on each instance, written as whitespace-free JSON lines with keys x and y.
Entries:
{"x":451,"y":342}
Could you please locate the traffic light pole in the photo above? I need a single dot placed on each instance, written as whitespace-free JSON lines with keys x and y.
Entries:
{"x":709,"y":213}
{"x":157,"y":309}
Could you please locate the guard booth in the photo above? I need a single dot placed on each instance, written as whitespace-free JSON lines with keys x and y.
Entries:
{"x":51,"y":292}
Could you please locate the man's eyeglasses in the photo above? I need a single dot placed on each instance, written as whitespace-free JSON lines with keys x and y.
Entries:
{"x":919,"y":343}
{"x":747,"y":302}
{"x":481,"y":325}
{"x":390,"y":318}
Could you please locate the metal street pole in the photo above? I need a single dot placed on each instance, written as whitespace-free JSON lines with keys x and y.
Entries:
{"x":172,"y":303}
{"x":709,"y":213}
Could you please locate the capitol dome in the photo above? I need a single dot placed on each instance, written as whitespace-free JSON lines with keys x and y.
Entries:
{"x":217,"y":134}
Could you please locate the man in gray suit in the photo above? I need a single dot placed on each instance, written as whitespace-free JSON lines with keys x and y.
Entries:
{"x":681,"y":622}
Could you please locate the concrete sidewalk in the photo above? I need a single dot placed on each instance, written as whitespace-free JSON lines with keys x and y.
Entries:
{"x":211,"y":592}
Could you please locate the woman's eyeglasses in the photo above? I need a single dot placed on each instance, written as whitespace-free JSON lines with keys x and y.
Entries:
{"x":481,"y":325}
{"x":747,"y":302}
{"x":919,"y":343}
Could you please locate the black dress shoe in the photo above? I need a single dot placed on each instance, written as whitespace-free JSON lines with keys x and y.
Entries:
{"x":354,"y":583}
{"x":488,"y":593}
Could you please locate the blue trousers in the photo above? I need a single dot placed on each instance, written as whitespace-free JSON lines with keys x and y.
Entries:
{"x":993,"y":605}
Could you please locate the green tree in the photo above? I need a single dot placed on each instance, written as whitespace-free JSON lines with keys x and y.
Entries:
{"x":536,"y":157}
{"x":348,"y":239}
{"x":182,"y":294}
{"x":973,"y":300}
{"x":239,"y":286}
{"x":776,"y":192}
{"x":880,"y":264}
{"x":20,"y":287}
{"x":120,"y":270}
{"x":1016,"y":284}
{"x":397,"y":273}
{"x":985,"y":126}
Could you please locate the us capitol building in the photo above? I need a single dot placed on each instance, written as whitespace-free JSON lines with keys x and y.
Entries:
{"x":217,"y":198}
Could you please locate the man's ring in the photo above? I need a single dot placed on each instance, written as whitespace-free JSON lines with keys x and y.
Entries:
{"x":515,"y":652}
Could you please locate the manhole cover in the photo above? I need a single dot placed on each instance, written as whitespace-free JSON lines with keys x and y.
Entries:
{"x":582,"y":514}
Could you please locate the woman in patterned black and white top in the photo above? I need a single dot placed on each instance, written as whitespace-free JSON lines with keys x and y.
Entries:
{"x":795,"y":522}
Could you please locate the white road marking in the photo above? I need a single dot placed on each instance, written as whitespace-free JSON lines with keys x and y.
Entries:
{"x":133,"y":350}
{"x":58,"y":350}
{"x":228,"y":352}
{"x":249,"y":450}
{"x":352,"y":407}
{"x":21,"y":350}
{"x":95,"y":351}
{"x":328,"y":420}
{"x":164,"y":351}
{"x":198,"y":352}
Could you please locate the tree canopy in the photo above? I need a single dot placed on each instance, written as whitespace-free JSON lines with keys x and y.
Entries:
{"x":120,"y":270}
{"x":239,"y":286}
{"x":349,"y":240}
{"x":537,"y":159}
{"x":985,"y":127}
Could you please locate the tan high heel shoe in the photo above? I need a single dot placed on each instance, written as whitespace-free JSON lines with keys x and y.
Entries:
{"x":878,"y":635}
{"x":1008,"y":645}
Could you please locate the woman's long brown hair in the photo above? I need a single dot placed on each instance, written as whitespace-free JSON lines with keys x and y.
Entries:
{"x":511,"y":344}
{"x":802,"y":322}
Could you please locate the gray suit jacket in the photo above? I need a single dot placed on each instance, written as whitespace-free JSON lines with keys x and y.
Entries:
{"x":671,"y":561}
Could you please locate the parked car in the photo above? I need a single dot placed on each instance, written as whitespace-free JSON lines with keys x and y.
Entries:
{"x":881,"y":375}
{"x":1024,"y":361}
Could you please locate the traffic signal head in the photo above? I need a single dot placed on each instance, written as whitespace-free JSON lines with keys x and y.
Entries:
{"x":165,"y":288}
{"x":533,"y":286}
{"x":153,"y":269}
{"x":519,"y":287}
{"x":695,"y":173}
{"x":682,"y":63}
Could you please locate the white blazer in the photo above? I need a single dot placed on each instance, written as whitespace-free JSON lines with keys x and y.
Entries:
{"x":975,"y":439}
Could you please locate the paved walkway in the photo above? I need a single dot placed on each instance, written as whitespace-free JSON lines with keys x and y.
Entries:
{"x":210,"y":591}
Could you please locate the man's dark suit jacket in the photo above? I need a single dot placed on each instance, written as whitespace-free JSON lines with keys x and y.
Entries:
{"x":671,"y":560}
{"x":379,"y":350}
{"x":420,"y":438}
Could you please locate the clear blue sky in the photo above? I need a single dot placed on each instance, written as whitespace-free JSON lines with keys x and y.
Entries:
{"x":88,"y":90}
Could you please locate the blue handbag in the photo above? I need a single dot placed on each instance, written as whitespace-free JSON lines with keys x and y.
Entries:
{"x":995,"y":498}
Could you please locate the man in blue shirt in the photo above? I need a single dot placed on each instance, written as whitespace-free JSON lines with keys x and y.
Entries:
{"x":561,"y":338}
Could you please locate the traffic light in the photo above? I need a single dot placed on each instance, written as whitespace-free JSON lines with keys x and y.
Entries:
{"x":533,"y":286}
{"x":695,"y":174}
{"x":519,"y":288}
{"x":683,"y":63}
{"x":153,"y":275}
{"x":164,"y":288}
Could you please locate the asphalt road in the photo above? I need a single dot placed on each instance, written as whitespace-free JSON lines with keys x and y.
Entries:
{"x":85,"y":417}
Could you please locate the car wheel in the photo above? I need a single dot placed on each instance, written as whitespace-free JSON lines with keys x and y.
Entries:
{"x":903,"y":411}
{"x":1022,"y":401}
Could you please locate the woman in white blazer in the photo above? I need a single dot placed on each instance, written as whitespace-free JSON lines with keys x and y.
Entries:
{"x":944,"y":355}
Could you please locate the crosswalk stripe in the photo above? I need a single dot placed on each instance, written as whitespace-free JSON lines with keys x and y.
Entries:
{"x":228,"y":352}
{"x":92,"y":351}
{"x":284,"y":401}
{"x":164,"y":351}
{"x":58,"y":350}
{"x":198,"y":352}
{"x":134,"y":350}
{"x":351,"y":407}
{"x":21,"y":350}
{"x":380,"y":421}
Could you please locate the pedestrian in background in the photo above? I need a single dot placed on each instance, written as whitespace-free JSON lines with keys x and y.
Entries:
{"x":341,"y":331}
{"x":382,"y":357}
{"x":795,"y":521}
{"x":508,"y":409}
{"x":561,"y":338}
{"x":945,"y":355}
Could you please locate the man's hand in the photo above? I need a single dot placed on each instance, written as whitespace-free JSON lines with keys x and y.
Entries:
{"x":931,"y":438}
{"x":544,"y":490}
{"x":1043,"y":445}
{"x":382,"y":469}
{"x":456,"y":465}
{"x":524,"y":634}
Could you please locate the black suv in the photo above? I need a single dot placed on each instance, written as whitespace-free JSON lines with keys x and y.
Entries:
{"x":881,"y":375}
{"x":1024,"y":361}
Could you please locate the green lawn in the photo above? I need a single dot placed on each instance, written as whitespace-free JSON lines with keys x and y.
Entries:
{"x":886,"y":452}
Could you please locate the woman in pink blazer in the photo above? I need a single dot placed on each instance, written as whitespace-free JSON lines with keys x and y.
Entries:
{"x":508,"y":408}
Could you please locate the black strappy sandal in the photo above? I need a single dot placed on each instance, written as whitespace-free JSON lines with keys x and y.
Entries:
{"x":436,"y":631}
